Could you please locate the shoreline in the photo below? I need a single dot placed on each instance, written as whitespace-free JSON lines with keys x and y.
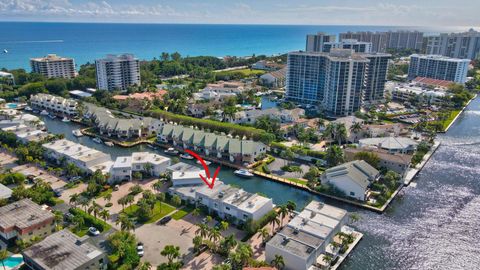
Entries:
{"x":458,"y":115}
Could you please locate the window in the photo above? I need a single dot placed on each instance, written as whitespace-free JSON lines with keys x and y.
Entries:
{"x":228,"y":208}
{"x":352,"y":193}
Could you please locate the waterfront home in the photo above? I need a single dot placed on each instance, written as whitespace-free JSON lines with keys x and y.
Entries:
{"x":64,"y":250}
{"x":274,"y":79}
{"x":307,"y":237}
{"x":5,"y":192}
{"x":182,"y":167}
{"x":210,"y":144}
{"x":405,"y":92}
{"x":142,"y":96}
{"x":396,"y":162}
{"x":54,"y":104}
{"x":87,"y":159}
{"x":12,"y":117}
{"x":199,"y":109}
{"x":24,"y":219}
{"x":221,"y":90}
{"x":226,"y":201}
{"x":251,"y":116}
{"x":394,"y":129}
{"x":267,"y":65}
{"x":349,"y":121}
{"x":122,"y":128}
{"x":150,"y":163}
{"x":26,"y":134}
{"x":352,"y":178}
{"x":186,"y":178}
{"x":391,"y":144}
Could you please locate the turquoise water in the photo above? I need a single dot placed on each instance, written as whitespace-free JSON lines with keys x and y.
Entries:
{"x":11,"y":105}
{"x":13,"y":261}
{"x":86,"y":42}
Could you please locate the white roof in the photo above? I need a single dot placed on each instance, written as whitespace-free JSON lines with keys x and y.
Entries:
{"x":185,"y":175}
{"x":123,"y":162}
{"x":144,"y":157}
{"x":5,"y":192}
{"x":391,"y":143}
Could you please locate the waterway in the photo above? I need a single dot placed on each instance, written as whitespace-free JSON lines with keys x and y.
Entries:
{"x":434,"y":225}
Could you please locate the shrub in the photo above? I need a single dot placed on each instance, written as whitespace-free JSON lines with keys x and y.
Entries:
{"x":108,"y":204}
{"x":90,"y":221}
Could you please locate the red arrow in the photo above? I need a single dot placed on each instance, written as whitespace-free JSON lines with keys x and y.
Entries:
{"x":211,"y":183}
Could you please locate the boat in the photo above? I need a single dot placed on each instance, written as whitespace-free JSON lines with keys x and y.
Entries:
{"x":109,"y":144}
{"x":97,"y":140}
{"x":5,"y":51}
{"x":206,"y":162}
{"x":152,"y":146}
{"x":186,"y":156}
{"x":171,"y":151}
{"x":65,"y":119}
{"x":243,"y":173}
{"x":29,"y":109}
{"x":52,"y":116}
{"x":77,"y":133}
{"x":44,"y":112}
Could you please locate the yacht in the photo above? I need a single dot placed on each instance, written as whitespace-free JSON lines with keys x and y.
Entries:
{"x":171,"y":151}
{"x":109,"y":144}
{"x":97,"y":140}
{"x":5,"y":51}
{"x":243,"y":173}
{"x":77,"y":133}
{"x":44,"y":112}
{"x":65,"y":119}
{"x":206,"y":162}
{"x":186,"y":156}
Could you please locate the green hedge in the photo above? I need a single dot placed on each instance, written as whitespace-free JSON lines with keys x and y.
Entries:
{"x":256,"y":134}
{"x":91,"y":221}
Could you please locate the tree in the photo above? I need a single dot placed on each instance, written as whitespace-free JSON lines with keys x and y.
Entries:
{"x":228,"y":243}
{"x":224,"y":225}
{"x":264,"y":234}
{"x":108,"y":197}
{"x":74,"y":199}
{"x":282,"y":212}
{"x":391,"y":179}
{"x":334,"y":155}
{"x":171,"y":252}
{"x":214,"y":235}
{"x":136,"y":189}
{"x":196,"y":212}
{"x":275,"y":221}
{"x":278,"y":262}
{"x":126,"y":223}
{"x":104,"y":214}
{"x":160,"y":198}
{"x":157,"y":186}
{"x":202,"y":230}
{"x":3,"y":256}
{"x":176,"y":200}
{"x":145,"y":266}
{"x":369,"y":157}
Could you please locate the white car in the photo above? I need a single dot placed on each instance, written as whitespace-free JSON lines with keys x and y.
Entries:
{"x":93,"y":231}
{"x":140,"y":249}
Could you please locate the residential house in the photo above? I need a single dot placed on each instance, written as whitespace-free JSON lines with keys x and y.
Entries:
{"x":124,"y":166}
{"x":23,"y":220}
{"x":394,"y":129}
{"x":307,"y":236}
{"x":142,"y":96}
{"x":267,"y":65}
{"x":221,"y":90}
{"x":391,"y":144}
{"x":251,"y":116}
{"x":352,"y":178}
{"x":274,"y":79}
{"x":64,"y":250}
{"x":349,"y":121}
{"x":186,"y":178}
{"x":396,"y":162}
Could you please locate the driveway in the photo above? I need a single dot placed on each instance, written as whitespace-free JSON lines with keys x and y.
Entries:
{"x":155,"y":237}
{"x":278,"y":163}
{"x":29,"y":169}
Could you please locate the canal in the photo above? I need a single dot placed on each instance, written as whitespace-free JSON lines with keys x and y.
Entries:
{"x":434,"y":225}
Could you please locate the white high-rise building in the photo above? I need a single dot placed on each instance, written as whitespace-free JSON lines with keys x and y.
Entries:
{"x":353,"y":44}
{"x":53,"y":66}
{"x":438,"y":67}
{"x":315,"y":42}
{"x":117,"y":72}
{"x":457,"y":45}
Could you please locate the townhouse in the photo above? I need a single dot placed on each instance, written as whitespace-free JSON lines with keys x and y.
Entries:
{"x":26,"y":134}
{"x":210,"y":144}
{"x":54,"y":104}
{"x":124,"y":166}
{"x":24,"y":219}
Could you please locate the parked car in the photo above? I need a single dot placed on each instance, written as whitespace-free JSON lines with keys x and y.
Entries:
{"x":116,"y":188}
{"x":68,"y":216}
{"x":165,"y":220}
{"x":93,"y":231}
{"x":57,"y":193}
{"x":140,"y":250}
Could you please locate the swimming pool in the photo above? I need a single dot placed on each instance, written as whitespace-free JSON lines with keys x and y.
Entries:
{"x":11,"y":105}
{"x":13,"y":261}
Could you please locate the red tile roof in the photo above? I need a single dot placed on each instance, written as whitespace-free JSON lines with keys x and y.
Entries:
{"x":433,"y":82}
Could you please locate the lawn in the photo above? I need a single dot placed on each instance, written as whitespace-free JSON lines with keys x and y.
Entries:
{"x":90,"y":221}
{"x":182,"y":212}
{"x":450,"y":118}
{"x":104,"y":193}
{"x":245,"y":72}
{"x":298,"y":181}
{"x":159,"y":210}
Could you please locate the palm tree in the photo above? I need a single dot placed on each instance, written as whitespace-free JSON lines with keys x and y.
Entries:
{"x":104,"y":214}
{"x":171,"y":252}
{"x":160,"y":198}
{"x":125,"y":222}
{"x":283,"y":212}
{"x":334,"y":155}
{"x":202,"y":230}
{"x":214,"y":235}
{"x":278,"y":262}
{"x":145,"y":266}
{"x":224,"y":225}
{"x":341,"y":133}
{"x":108,"y":197}
{"x":74,"y":198}
{"x":3,"y":256}
{"x":196,"y":212}
{"x":327,"y":258}
{"x":356,"y":128}
{"x":95,"y":208}
{"x":291,"y":206}
{"x":157,"y":186}
{"x":122,"y":201}
{"x":129,"y":199}
{"x":84,"y":201}
{"x":275,"y":221}
{"x":228,"y":243}
{"x":264,"y":234}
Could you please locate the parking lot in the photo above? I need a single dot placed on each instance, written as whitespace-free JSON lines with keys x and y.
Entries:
{"x":29,"y":169}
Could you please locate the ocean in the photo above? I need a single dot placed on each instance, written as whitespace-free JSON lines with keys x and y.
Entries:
{"x":86,"y":42}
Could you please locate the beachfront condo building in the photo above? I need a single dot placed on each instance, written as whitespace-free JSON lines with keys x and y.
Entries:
{"x":353,"y":44}
{"x":117,"y":72}
{"x":53,"y":66}
{"x":464,"y":45}
{"x":381,"y":41}
{"x":316,"y":42}
{"x":336,"y":81}
{"x":438,"y":67}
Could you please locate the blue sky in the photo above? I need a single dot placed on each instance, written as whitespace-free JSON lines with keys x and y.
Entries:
{"x":333,"y":12}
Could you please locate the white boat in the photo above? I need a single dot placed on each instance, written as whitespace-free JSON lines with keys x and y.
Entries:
{"x":52,"y":116}
{"x":44,"y":112}
{"x":29,"y":109}
{"x":77,"y":133}
{"x":109,"y":144}
{"x":243,"y":173}
{"x":65,"y":119}
{"x":5,"y":51}
{"x":206,"y":162}
{"x":97,"y":140}
{"x":186,"y":156}
{"x":171,"y":151}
